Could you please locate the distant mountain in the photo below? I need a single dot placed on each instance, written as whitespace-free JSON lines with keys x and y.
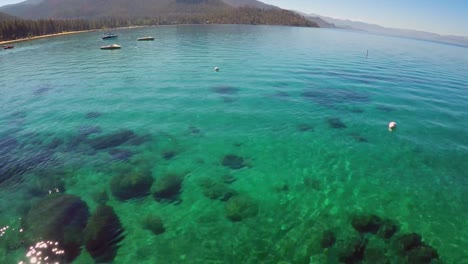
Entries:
{"x":4,"y":17}
{"x":407,"y":33}
{"x":59,"y":9}
{"x":249,"y":3}
{"x":317,"y":19}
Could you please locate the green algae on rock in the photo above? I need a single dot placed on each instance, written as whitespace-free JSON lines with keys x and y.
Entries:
{"x":240,"y":207}
{"x":103,"y":234}
{"x":132,"y":185}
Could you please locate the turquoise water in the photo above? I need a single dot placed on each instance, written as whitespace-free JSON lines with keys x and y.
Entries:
{"x":304,"y":109}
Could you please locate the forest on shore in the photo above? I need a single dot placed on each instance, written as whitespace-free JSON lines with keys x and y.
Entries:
{"x":11,"y":29}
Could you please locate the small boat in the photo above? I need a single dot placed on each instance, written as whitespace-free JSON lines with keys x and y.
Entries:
{"x":109,"y":36}
{"x":7,"y":47}
{"x":111,"y":47}
{"x":145,"y":38}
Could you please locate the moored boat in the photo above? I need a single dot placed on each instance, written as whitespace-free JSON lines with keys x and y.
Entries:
{"x":145,"y":38}
{"x":8,"y":46}
{"x":109,"y":36}
{"x":111,"y":47}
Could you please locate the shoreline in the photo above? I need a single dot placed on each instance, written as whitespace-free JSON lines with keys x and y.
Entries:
{"x":46,"y":36}
{"x":61,"y":34}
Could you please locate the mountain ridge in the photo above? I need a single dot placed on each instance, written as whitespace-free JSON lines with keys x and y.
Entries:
{"x":396,"y":32}
{"x":86,"y":9}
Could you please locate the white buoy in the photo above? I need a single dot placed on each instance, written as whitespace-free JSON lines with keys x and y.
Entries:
{"x":216,"y":69}
{"x":391,"y":126}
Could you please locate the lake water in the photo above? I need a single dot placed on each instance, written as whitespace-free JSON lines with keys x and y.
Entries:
{"x":286,"y":145}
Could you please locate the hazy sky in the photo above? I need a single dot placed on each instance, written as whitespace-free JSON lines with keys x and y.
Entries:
{"x":439,"y":16}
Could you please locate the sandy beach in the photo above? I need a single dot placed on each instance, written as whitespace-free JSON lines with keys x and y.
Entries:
{"x":45,"y":36}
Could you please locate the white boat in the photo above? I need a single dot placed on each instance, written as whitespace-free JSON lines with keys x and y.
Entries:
{"x":145,"y":38}
{"x":111,"y":47}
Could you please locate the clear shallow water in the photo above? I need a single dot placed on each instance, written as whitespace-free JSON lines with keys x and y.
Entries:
{"x":304,"y":108}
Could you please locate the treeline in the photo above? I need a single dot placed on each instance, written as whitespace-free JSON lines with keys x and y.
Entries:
{"x":17,"y":29}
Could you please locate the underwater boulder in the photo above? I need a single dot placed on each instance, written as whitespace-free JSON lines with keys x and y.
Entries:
{"x":422,"y":255}
{"x":303,"y":127}
{"x":376,"y":252}
{"x":330,"y":97}
{"x":118,"y":154}
{"x":225,"y":90}
{"x":61,"y":218}
{"x":167,"y":187}
{"x":103,"y":234}
{"x":132,"y":185}
{"x":233,"y":161}
{"x":154,"y":224}
{"x":42,"y":90}
{"x":406,"y":242}
{"x":194,"y":130}
{"x":413,"y":250}
{"x":215,"y":190}
{"x":351,"y":250}
{"x":358,"y":138}
{"x":240,"y":207}
{"x":336,"y":123}
{"x":387,"y":229}
{"x":89,"y":130}
{"x":92,"y":115}
{"x":366,"y":223}
{"x":228,"y":178}
{"x":43,"y":185}
{"x":112,"y":140}
{"x":168,"y":154}
{"x":328,"y":239}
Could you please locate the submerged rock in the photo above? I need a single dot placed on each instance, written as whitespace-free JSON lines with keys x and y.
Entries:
{"x":216,"y":190}
{"x":103,"y":234}
{"x":332,"y":97}
{"x":233,"y":161}
{"x":89,"y":130}
{"x":60,"y":218}
{"x":168,"y":154}
{"x":358,"y":138}
{"x":228,"y":178}
{"x":41,"y":90}
{"x":302,"y":127}
{"x":118,"y":154}
{"x":387,"y":229}
{"x":194,"y":130}
{"x":366,"y":223}
{"x":167,"y":187}
{"x":328,"y":239}
{"x":336,"y":123}
{"x":376,"y":253}
{"x":351,"y":250}
{"x":154,"y":224}
{"x":226,"y":90}
{"x":422,"y":255}
{"x":112,"y":140}
{"x":413,"y":250}
{"x":133,"y":185}
{"x":92,"y":115}
{"x":240,"y":207}
{"x":406,"y":242}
